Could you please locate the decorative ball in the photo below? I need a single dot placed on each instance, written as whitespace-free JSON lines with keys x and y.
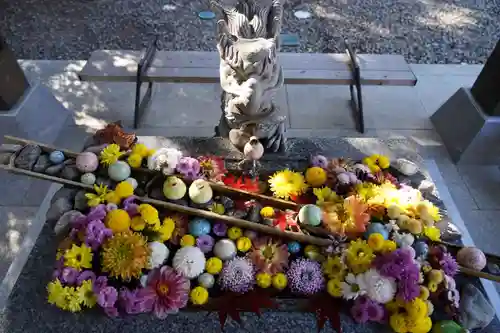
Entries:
{"x":57,"y":157}
{"x":118,"y":220}
{"x":206,"y":280}
{"x":293,"y":247}
{"x":189,"y":261}
{"x":376,"y":228}
{"x":88,"y":178}
{"x":200,"y":192}
{"x":243,"y":244}
{"x":133,"y":182}
{"x":234,"y":233}
{"x":198,"y":295}
{"x":174,"y":188}
{"x":225,"y":249}
{"x":199,"y":226}
{"x":213,"y":265}
{"x":264,"y":280}
{"x":310,"y":214}
{"x":87,"y":162}
{"x":159,"y":253}
{"x":472,"y":257}
{"x":280,"y":281}
{"x":119,"y":171}
{"x":188,"y":240}
{"x":421,"y":249}
{"x":250,"y":234}
{"x":315,"y":176}
{"x":376,"y":241}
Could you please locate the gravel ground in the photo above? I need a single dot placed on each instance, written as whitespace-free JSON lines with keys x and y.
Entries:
{"x":424,"y":31}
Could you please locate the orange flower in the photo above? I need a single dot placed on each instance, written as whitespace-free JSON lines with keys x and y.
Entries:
{"x":347,"y":217}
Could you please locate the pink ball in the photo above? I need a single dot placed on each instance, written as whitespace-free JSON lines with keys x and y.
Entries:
{"x":87,"y":162}
{"x":471,"y":257}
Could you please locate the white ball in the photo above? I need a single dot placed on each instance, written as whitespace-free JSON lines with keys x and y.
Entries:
{"x":88,"y":178}
{"x":206,"y":280}
{"x":159,"y":253}
{"x":225,"y":249}
{"x":132,"y":182}
{"x":189,"y":261}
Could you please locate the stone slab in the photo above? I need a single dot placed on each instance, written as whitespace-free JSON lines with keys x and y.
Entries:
{"x":483,"y":183}
{"x":470,"y":136}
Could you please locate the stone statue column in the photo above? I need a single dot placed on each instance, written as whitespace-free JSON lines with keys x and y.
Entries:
{"x":250,"y":72}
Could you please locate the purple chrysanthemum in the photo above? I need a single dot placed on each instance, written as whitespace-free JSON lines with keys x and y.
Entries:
{"x":189,"y":167}
{"x":448,"y":264}
{"x":237,"y":275}
{"x":205,"y":243}
{"x":319,"y":161}
{"x":107,"y":297}
{"x":130,"y":206}
{"x":305,"y":277}
{"x":97,"y":213}
{"x":366,"y":309}
{"x":84,"y":276}
{"x":96,"y":234}
{"x":100,"y":283}
{"x":394,"y":264}
{"x":110,"y":207}
{"x":140,"y":300}
{"x":408,"y":285}
{"x":219,"y":229}
{"x":68,"y":275}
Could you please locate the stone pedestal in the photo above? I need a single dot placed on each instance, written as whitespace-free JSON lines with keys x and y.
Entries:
{"x":469,"y":121}
{"x":13,"y":83}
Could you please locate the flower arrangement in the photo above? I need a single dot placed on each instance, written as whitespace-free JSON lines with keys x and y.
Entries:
{"x":129,"y":257}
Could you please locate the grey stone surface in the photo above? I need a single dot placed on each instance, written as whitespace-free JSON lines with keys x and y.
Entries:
{"x":476,"y":311}
{"x":27,"y":157}
{"x":483,"y":183}
{"x":470,"y":136}
{"x":42,"y":163}
{"x":70,"y":172}
{"x":55,"y":169}
{"x":5,"y":157}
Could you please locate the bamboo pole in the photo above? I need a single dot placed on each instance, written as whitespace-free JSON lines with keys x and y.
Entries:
{"x":479,"y":274}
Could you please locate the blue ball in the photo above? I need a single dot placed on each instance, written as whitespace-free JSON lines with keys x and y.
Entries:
{"x":56,"y":157}
{"x":199,"y":226}
{"x":311,"y":215}
{"x":421,"y":248}
{"x":119,"y":171}
{"x":376,"y":228}
{"x":293,"y":247}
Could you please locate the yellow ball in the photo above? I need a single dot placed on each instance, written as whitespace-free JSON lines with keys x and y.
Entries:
{"x":118,"y":220}
{"x":137,"y":223}
{"x":134,"y":160}
{"x":234,"y":233}
{"x":124,"y":189}
{"x":198,"y":296}
{"x":389,"y":246}
{"x":280,"y":281}
{"x":383,"y":161}
{"x":113,"y":198}
{"x":140,"y":149}
{"x":213,"y":265}
{"x":436,"y":276}
{"x":334,"y":288}
{"x":264,"y":280}
{"x":243,"y":244}
{"x":267,"y":212}
{"x":376,"y":241}
{"x":316,"y":176}
{"x":187,"y":240}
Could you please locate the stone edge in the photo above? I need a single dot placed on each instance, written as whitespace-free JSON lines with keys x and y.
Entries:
{"x":17,"y":265}
{"x":454,"y":215}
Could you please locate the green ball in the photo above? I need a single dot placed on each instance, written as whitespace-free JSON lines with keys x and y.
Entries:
{"x":119,"y":171}
{"x":311,"y":215}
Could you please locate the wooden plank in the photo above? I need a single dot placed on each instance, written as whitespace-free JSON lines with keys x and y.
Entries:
{"x":203,"y":67}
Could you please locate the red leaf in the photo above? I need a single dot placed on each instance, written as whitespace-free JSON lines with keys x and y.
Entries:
{"x":256,"y":300}
{"x":326,"y":308}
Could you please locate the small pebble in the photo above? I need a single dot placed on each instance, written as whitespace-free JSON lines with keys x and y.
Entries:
{"x":206,"y":15}
{"x":302,"y":14}
{"x":56,"y":157}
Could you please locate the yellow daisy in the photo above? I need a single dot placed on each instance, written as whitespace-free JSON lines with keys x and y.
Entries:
{"x":78,"y":257}
{"x":286,"y":183}
{"x":334,"y":268}
{"x":111,"y":154}
{"x":86,"y":294}
{"x":359,"y":256}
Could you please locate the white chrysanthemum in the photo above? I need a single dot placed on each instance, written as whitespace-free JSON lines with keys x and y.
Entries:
{"x":165,"y":160}
{"x":379,"y":288}
{"x":159,"y":253}
{"x":353,"y":286}
{"x":189,"y":261}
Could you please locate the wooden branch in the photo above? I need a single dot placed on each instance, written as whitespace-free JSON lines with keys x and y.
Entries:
{"x":489,"y":256}
{"x":479,"y":274}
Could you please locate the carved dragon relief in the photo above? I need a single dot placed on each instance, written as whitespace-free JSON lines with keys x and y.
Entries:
{"x":250,"y":72}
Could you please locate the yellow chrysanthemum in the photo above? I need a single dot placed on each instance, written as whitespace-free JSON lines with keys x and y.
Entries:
{"x":78,"y":257}
{"x":149,"y":213}
{"x":426,"y":209}
{"x":140,"y":149}
{"x":423,"y":325}
{"x":166,"y":229}
{"x":124,"y":189}
{"x":73,"y":301}
{"x":286,"y":183}
{"x":134,"y":160}
{"x":326,"y":195}
{"x":267,"y":212}
{"x":359,"y":256}
{"x":398,"y":323}
{"x":137,"y":223}
{"x":389,"y":246}
{"x":334,"y":287}
{"x":376,"y":242}
{"x":433,"y":233}
{"x":213,"y":265}
{"x":280,"y":281}
{"x":395,"y":305}
{"x":416,"y":309}
{"x":111,"y":154}
{"x":218,"y":208}
{"x":118,"y":220}
{"x":86,"y":294}
{"x":125,"y":255}
{"x":56,"y":293}
{"x":263,"y":280}
{"x":94,"y":199}
{"x":198,"y":295}
{"x":334,"y":268}
{"x":113,"y":198}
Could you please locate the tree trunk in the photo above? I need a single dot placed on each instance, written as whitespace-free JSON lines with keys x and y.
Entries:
{"x":486,"y":89}
{"x":13,"y":83}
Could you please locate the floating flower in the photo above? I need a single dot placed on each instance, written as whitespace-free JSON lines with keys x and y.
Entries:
{"x":140,"y":149}
{"x":286,"y":183}
{"x":164,"y":160}
{"x":149,"y":214}
{"x":96,"y":234}
{"x":107,"y":298}
{"x":243,"y":244}
{"x":189,"y":261}
{"x":134,"y":160}
{"x":124,"y":190}
{"x":334,"y":287}
{"x":86,"y":294}
{"x":125,"y":255}
{"x":111,"y":154}
{"x":218,"y":208}
{"x":212,"y":167}
{"x":78,"y":257}
{"x":56,"y":294}
{"x":237,"y":275}
{"x":448,"y":264}
{"x":334,"y":268}
{"x":305,"y":277}
{"x":359,"y":256}
{"x":366,"y":309}
{"x":189,"y":167}
{"x":85,"y":276}
{"x":140,"y":300}
{"x":137,"y":223}
{"x":68,"y":275}
{"x":377,"y":162}
{"x":319,"y":161}
{"x":118,"y":220}
{"x":269,"y":256}
{"x":354,"y":286}
{"x":205,"y":243}
{"x":94,"y":199}
{"x":326,"y":195}
{"x":169,"y":289}
{"x":347,"y":217}
{"x":381,"y":289}
{"x":432,"y":233}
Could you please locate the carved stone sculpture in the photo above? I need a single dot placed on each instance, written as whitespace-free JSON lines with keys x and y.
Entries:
{"x":250,"y":73}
